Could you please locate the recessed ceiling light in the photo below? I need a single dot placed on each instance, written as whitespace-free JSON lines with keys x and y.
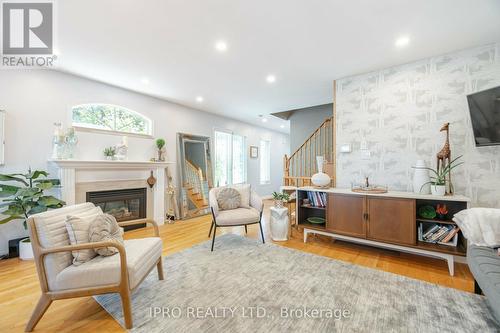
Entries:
{"x":221,"y":46}
{"x":402,"y":41}
{"x":282,"y":126}
{"x":145,"y":80}
{"x":271,"y":78}
{"x":199,"y":99}
{"x":264,"y":120}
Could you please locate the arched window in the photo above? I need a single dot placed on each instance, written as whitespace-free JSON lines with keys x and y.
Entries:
{"x":108,"y":117}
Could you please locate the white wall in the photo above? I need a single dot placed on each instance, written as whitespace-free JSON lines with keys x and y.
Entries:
{"x":399,"y":112}
{"x":35,"y":99}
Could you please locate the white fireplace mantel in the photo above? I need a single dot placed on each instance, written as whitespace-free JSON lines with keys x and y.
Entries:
{"x":68,"y":169}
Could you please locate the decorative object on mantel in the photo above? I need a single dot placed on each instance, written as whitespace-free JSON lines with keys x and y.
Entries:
{"x":122,"y":149}
{"x":160,"y":144}
{"x":440,"y":176}
{"x":151,"y":180}
{"x":110,"y":153}
{"x":366,"y":187}
{"x":20,"y":202}
{"x":280,"y":199}
{"x":63,"y":143}
{"x":444,"y":158}
{"x":254,"y":152}
{"x":421,"y":179}
{"x":320,"y":179}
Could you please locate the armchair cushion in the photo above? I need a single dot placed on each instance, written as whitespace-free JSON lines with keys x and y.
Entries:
{"x":228,"y":198}
{"x":256,"y":201}
{"x":78,"y":231}
{"x":105,"y":228}
{"x":100,"y":271}
{"x":238,"y":216}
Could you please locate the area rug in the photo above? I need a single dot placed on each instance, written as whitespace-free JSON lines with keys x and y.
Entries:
{"x":247,"y":286}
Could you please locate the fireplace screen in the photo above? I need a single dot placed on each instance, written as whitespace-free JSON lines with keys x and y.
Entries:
{"x":124,"y":205}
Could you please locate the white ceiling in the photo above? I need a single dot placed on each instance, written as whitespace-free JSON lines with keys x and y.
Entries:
{"x":305,"y":44}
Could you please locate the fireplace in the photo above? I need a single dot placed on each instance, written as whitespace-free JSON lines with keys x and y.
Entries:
{"x":124,"y":205}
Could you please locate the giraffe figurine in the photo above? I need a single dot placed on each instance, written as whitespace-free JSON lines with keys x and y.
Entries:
{"x":444,"y":157}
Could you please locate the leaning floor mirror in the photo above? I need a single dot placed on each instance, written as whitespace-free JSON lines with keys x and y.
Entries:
{"x":195,"y":171}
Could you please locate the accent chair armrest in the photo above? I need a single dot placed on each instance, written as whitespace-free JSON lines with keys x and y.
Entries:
{"x":43,"y":251}
{"x":256,"y":201}
{"x":147,"y":221}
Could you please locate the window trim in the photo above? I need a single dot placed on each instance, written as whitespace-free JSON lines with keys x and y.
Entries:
{"x":81,"y":127}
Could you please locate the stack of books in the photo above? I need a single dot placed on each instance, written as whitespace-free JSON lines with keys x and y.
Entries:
{"x":438,"y":233}
{"x":317,"y":199}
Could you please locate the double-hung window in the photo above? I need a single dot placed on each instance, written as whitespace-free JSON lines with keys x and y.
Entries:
{"x":230,"y":158}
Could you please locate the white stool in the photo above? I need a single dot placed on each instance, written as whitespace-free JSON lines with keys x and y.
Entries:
{"x":279,"y":224}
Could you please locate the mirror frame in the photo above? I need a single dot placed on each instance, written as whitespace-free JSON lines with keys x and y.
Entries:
{"x":182,"y":138}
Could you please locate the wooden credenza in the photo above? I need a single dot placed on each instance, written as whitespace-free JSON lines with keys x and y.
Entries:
{"x":388,"y":220}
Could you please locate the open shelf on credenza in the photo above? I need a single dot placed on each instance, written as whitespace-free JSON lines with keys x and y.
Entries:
{"x":458,"y":250}
{"x":313,"y":207}
{"x":435,"y":221}
{"x":306,"y":211}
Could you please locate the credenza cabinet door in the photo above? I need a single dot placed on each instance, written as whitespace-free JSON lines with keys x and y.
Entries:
{"x":345,"y":215}
{"x":392,"y":220}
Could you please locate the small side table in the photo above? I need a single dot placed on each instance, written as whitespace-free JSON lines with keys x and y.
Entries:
{"x":279,"y":224}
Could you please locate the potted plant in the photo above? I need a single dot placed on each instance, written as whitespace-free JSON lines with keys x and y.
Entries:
{"x":160,"y":144}
{"x":20,"y":202}
{"x":438,"y":177}
{"x":109,"y":153}
{"x":280,"y":199}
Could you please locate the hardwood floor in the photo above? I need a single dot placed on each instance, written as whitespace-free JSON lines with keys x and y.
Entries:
{"x":19,"y":288}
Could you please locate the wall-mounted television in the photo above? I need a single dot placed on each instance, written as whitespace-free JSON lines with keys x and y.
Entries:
{"x":484,"y":108}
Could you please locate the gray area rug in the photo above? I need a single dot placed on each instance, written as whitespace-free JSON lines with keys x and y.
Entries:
{"x":247,"y":286}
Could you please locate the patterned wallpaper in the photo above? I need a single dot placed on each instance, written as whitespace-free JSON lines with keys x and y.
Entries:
{"x":398,"y":112}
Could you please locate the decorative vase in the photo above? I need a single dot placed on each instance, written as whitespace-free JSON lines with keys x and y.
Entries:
{"x":438,"y":189}
{"x":421,"y":179}
{"x":151,"y":180}
{"x":25,"y":250}
{"x":320,"y":179}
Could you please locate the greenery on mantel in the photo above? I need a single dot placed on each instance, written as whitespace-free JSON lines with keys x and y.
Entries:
{"x":27,"y":197}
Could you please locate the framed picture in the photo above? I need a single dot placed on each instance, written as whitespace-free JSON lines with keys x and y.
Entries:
{"x":254,"y":152}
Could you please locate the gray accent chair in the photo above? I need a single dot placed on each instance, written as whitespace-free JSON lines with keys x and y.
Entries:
{"x":235,"y":217}
{"x":484,"y":263}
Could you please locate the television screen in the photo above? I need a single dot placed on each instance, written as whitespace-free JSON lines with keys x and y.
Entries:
{"x":484,"y":108}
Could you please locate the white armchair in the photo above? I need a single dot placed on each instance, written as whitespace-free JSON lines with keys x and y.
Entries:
{"x":235,"y":217}
{"x":60,"y":279}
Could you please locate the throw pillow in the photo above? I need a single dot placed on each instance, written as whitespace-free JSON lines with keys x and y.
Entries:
{"x":78,"y":231}
{"x":228,"y":198}
{"x":481,"y":226}
{"x":105,"y":228}
{"x":244,"y":190}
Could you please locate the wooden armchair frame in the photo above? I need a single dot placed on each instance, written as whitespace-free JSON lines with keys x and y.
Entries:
{"x":123,"y":287}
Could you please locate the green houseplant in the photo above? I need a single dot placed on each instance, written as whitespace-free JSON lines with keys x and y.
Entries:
{"x":109,"y":153}
{"x":280,"y":199}
{"x":439,"y":176}
{"x":160,"y":144}
{"x":23,"y":195}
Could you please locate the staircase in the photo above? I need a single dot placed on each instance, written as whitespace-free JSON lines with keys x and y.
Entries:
{"x":195,"y":186}
{"x":301,"y":165}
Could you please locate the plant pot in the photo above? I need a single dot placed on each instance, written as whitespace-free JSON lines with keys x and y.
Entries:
{"x":278,"y":204}
{"x":438,"y":189}
{"x":25,"y":249}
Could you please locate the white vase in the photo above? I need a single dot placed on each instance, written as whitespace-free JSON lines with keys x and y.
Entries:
{"x":420,"y":178}
{"x":438,"y":189}
{"x":25,"y":249}
{"x":320,"y":179}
